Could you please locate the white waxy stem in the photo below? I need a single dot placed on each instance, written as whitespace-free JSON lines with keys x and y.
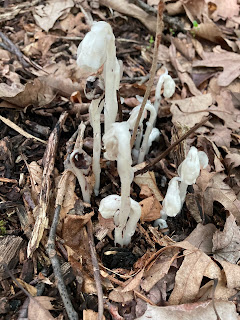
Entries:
{"x":84,"y":160}
{"x":117,"y":146}
{"x":161,"y":223}
{"x":172,"y":202}
{"x":95,"y":110}
{"x":98,"y":48}
{"x":144,"y":146}
{"x":189,"y":169}
{"x":154,"y":136}
{"x":169,"y":89}
{"x":110,"y":208}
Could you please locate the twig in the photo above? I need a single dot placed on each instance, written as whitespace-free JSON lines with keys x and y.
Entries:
{"x":72,"y":314}
{"x":153,"y":68}
{"x":11,"y":47}
{"x":215,"y":282}
{"x":95,"y":269}
{"x":163,"y":155}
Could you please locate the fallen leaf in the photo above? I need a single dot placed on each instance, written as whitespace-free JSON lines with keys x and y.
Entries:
{"x":36,"y":93}
{"x":73,"y":25}
{"x":226,"y":243}
{"x":221,"y":135}
{"x":232,"y":159}
{"x":229,"y":61}
{"x":31,"y":289}
{"x":150,"y":209}
{"x":224,"y":9}
{"x":232,"y":272}
{"x":91,"y":315}
{"x":135,"y":281}
{"x":37,"y":309}
{"x":195,"y":266}
{"x":221,"y":192}
{"x":201,"y":237}
{"x":194,"y":9}
{"x":191,"y":110}
{"x":147,"y":179}
{"x":196,"y":311}
{"x":46,"y":15}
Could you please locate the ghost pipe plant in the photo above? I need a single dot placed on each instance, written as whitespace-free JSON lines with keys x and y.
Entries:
{"x":140,"y":152}
{"x":117,"y":145}
{"x":110,"y":208}
{"x":168,"y":90}
{"x":189,"y":169}
{"x":94,"y":91}
{"x":97,"y":49}
{"x":172,"y":201}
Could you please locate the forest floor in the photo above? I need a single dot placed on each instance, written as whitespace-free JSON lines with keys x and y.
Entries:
{"x":188,"y":270}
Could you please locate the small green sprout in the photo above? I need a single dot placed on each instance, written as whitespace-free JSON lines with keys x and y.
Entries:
{"x":151,"y":41}
{"x":195,"y":24}
{"x":172,"y":31}
{"x":2,"y":227}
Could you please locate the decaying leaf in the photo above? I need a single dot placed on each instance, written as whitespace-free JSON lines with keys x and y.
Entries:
{"x":232,"y":272}
{"x":151,"y":208}
{"x":191,"y":110}
{"x":226,"y":243}
{"x":224,"y":9}
{"x":38,"y":308}
{"x":196,"y":311}
{"x":147,"y":179}
{"x":46,"y":16}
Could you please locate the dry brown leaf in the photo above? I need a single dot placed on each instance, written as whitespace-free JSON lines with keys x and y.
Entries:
{"x":195,"y":266}
{"x":35,"y":173}
{"x":73,"y":25}
{"x":31,"y":289}
{"x":147,"y":179}
{"x":41,"y":45}
{"x":117,"y":296}
{"x":224,"y":9}
{"x":134,"y":282}
{"x":226,"y":111}
{"x":46,"y":16}
{"x":194,"y":9}
{"x":221,"y":135}
{"x":91,"y":315}
{"x":196,"y":311}
{"x":226,"y":243}
{"x":209,"y":31}
{"x":189,"y":111}
{"x":232,"y":272}
{"x":145,"y":192}
{"x":221,"y":192}
{"x":229,"y":61}
{"x":150,"y":209}
{"x":37,"y":309}
{"x":201,"y":237}
{"x":232,"y":159}
{"x":159,"y":269}
{"x":132,"y":10}
{"x":36,"y":93}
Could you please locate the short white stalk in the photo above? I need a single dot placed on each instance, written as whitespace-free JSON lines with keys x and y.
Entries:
{"x":183,"y":191}
{"x":95,"y":110}
{"x":79,"y":164}
{"x":150,"y":122}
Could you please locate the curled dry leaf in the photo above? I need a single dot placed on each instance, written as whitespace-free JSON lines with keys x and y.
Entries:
{"x":35,"y":172}
{"x":195,"y":266}
{"x":226,"y":243}
{"x":232,"y":159}
{"x":150,"y":209}
{"x":147,"y":179}
{"x":196,"y":311}
{"x":46,"y":16}
{"x":36,"y":93}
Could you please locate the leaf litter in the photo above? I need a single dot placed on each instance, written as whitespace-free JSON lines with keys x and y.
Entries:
{"x":168,"y":273}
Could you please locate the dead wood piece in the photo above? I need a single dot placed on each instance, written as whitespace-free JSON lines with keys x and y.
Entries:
{"x":42,"y":208}
{"x":52,"y":253}
{"x":9,"y":248}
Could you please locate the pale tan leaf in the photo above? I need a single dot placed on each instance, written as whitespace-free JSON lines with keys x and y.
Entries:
{"x":150,"y":209}
{"x":135,"y":281}
{"x":226,"y":243}
{"x":31,"y":289}
{"x":196,"y":311}
{"x":232,"y":272}
{"x":46,"y":15}
{"x":147,"y":179}
{"x":191,"y":110}
{"x":224,"y":9}
{"x":35,"y":172}
{"x":36,"y":311}
{"x":90,"y":315}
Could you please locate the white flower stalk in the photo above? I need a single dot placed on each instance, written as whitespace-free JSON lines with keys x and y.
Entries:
{"x":80,"y":163}
{"x":98,"y":48}
{"x":154,"y":136}
{"x":117,"y":145}
{"x":94,"y":91}
{"x":189,"y":169}
{"x":172,"y":202}
{"x":168,"y":90}
{"x":110,"y":208}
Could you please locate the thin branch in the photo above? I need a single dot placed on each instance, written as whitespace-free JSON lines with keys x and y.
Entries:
{"x":72,"y":314}
{"x":96,"y":271}
{"x":153,"y":68}
{"x":166,"y":152}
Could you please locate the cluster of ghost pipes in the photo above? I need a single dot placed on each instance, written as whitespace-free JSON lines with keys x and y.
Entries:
{"x":98,"y":49}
